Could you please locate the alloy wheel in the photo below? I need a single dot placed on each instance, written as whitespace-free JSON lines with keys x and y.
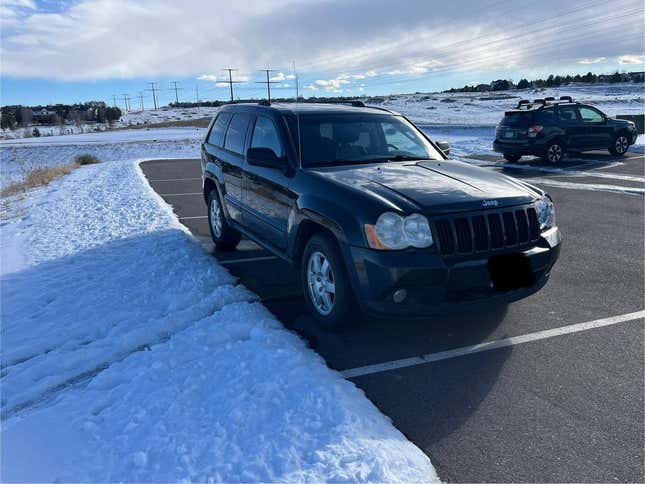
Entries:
{"x":216,"y":218}
{"x":320,"y":281}
{"x":621,"y":144}
{"x":554,"y":153}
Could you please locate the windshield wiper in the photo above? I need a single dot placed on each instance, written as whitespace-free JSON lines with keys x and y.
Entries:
{"x":402,"y":158}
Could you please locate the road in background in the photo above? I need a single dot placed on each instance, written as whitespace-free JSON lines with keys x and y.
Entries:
{"x":565,"y":408}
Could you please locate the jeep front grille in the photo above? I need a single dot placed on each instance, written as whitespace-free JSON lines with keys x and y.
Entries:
{"x":486,"y":231}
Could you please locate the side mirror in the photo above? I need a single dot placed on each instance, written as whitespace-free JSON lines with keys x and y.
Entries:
{"x":444,"y":146}
{"x":265,"y":157}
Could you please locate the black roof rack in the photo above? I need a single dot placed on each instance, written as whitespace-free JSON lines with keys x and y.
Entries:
{"x":549,"y":99}
{"x":566,"y":98}
{"x":539,"y":101}
{"x":264,"y":102}
{"x":523,"y":102}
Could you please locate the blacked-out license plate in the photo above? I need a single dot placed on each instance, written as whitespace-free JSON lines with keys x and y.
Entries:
{"x":510,"y":271}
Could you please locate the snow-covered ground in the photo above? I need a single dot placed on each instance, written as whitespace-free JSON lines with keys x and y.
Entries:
{"x":130,"y":354}
{"x":487,"y":108}
{"x":18,"y":158}
{"x":165,"y":114}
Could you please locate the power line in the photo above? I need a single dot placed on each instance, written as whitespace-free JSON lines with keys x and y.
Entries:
{"x":268,"y":82}
{"x":114,"y":99}
{"x":141,"y":100}
{"x":154,"y":93}
{"x":230,"y":81}
{"x":126,"y":101}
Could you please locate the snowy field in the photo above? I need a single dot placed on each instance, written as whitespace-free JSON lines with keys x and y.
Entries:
{"x":165,"y":114}
{"x":486,"y":108}
{"x":17,"y":158}
{"x":130,"y":354}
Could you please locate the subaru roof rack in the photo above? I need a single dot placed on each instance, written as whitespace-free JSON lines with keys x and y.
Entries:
{"x":539,"y":101}
{"x":549,"y":99}
{"x":523,"y":102}
{"x":566,"y":98}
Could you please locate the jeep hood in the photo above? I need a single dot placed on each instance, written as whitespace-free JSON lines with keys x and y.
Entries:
{"x":433,"y":187}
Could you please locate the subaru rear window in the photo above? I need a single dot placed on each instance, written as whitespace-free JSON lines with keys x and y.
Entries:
{"x":517,"y":120}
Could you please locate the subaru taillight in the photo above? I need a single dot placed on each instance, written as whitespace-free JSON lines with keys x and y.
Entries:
{"x":534,"y":131}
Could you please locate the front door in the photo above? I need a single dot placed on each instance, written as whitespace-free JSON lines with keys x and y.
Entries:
{"x":266,"y":197}
{"x":598,"y":132}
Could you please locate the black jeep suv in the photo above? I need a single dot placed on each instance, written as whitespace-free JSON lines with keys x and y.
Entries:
{"x":548,"y":129}
{"x":371,"y":211}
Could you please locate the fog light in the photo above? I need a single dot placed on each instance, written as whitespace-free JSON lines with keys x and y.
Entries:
{"x":399,"y":295}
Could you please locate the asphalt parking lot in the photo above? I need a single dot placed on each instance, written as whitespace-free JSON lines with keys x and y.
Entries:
{"x":527,"y":393}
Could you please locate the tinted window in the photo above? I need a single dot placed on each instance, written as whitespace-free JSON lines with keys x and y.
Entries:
{"x":546,"y":116}
{"x":589,"y":115}
{"x":216,"y":135}
{"x":568,"y":114}
{"x":236,"y":133}
{"x":517,"y":120}
{"x":342,"y":138}
{"x":265,"y":135}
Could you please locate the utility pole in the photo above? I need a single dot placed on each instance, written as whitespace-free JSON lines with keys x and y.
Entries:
{"x":141,"y":100}
{"x":197,"y":94}
{"x":114,"y":99}
{"x":126,"y":101}
{"x":176,"y":89}
{"x":295,"y":76}
{"x":268,"y":82}
{"x":230,"y":81}
{"x":154,"y":93}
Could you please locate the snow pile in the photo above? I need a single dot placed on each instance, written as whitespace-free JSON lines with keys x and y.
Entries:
{"x":129,"y":354}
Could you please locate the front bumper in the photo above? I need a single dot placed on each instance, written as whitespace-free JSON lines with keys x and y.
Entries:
{"x":435,"y":284}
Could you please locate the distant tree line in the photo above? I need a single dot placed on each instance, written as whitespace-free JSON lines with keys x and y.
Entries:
{"x":15,"y":116}
{"x":554,"y":81}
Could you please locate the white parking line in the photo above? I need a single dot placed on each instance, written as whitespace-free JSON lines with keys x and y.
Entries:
{"x":250,"y":259}
{"x":489,"y":345}
{"x":179,"y":194}
{"x":588,"y":186}
{"x":174,"y":179}
{"x":191,"y":218}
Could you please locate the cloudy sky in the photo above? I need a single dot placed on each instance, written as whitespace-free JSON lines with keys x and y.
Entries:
{"x":66,"y":51}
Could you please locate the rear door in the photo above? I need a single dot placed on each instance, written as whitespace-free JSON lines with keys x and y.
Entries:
{"x":514,"y":126}
{"x":598,"y":133}
{"x":266,"y":195}
{"x":232,"y":159}
{"x":573,"y":127}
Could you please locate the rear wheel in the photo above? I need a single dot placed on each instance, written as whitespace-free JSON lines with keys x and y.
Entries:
{"x":620,"y":145}
{"x":224,"y":236}
{"x":554,"y":152}
{"x":326,"y":286}
{"x":512,"y":157}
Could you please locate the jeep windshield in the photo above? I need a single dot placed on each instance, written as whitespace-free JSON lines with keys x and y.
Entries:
{"x":335,"y":139}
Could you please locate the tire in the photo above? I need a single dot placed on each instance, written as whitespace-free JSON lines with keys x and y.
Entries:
{"x":620,"y":145}
{"x":511,"y":157}
{"x":554,"y":152}
{"x":326,"y":287}
{"x":224,"y":236}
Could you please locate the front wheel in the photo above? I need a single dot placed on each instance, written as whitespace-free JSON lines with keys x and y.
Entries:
{"x":554,"y":152}
{"x":619,"y":146}
{"x":511,"y":157}
{"x":326,"y":286}
{"x":224,"y":236}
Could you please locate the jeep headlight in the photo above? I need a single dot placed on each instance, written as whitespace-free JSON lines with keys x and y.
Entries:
{"x":394,"y":232}
{"x":545,"y":213}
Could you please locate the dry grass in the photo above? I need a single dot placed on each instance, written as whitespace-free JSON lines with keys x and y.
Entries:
{"x":39,"y":177}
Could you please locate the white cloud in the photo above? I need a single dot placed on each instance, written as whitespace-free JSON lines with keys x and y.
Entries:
{"x":595,"y":60}
{"x":631,"y":59}
{"x":208,"y":77}
{"x":104,"y":39}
